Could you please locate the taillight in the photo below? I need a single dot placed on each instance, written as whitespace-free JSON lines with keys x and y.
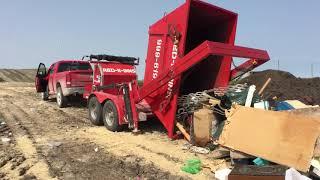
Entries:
{"x":68,"y":80}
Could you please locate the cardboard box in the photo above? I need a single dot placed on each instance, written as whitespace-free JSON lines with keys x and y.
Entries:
{"x":202,"y":125}
{"x":285,"y":138}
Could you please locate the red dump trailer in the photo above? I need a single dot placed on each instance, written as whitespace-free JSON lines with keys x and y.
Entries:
{"x":190,"y":49}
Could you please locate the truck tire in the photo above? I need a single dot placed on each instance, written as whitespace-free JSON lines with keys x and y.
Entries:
{"x":110,"y":116}
{"x":45,"y":94}
{"x":95,"y":111}
{"x":61,"y":99}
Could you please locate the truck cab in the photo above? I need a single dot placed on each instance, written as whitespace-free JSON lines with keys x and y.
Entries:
{"x":63,"y":79}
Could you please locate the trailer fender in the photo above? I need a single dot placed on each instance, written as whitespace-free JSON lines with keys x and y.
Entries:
{"x":118,"y":101}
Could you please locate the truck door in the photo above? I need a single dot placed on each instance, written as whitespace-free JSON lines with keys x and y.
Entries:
{"x":41,"y":80}
{"x":51,"y":79}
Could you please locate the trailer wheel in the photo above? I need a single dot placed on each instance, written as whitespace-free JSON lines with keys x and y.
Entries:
{"x":95,"y":111}
{"x":61,"y":99}
{"x":110,"y":116}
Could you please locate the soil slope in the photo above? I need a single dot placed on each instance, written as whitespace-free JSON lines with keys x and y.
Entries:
{"x":286,"y":86}
{"x":17,"y":75}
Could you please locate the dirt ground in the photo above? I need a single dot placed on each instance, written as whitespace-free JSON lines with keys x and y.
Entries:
{"x":47,"y":142}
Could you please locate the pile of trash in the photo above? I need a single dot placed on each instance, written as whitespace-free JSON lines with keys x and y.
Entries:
{"x":262,"y":136}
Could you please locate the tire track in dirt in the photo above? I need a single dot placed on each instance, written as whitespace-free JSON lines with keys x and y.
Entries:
{"x":75,"y":157}
{"x":73,"y":116}
{"x":31,"y":124}
{"x":34,"y":163}
{"x":168,"y":157}
{"x":152,"y":147}
{"x":13,"y":163}
{"x":29,"y":121}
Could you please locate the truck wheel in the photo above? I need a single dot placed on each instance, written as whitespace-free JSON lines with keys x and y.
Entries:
{"x":95,"y":111}
{"x":61,"y":99}
{"x":110,"y":116}
{"x":45,"y":95}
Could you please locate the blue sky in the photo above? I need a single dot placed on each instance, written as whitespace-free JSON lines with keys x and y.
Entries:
{"x":33,"y":31}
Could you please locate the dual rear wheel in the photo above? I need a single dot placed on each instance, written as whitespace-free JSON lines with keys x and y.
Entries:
{"x":106,"y":114}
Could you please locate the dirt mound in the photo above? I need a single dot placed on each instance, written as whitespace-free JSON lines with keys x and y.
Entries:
{"x":286,"y":86}
{"x":17,"y":75}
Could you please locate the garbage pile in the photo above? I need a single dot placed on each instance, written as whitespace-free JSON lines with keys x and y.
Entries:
{"x":258,"y":133}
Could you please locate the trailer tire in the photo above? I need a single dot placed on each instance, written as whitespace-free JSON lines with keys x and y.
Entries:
{"x":61,"y":99}
{"x":110,"y":116}
{"x":95,"y":111}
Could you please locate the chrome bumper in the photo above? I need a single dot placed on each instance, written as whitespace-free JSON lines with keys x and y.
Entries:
{"x":73,"y":90}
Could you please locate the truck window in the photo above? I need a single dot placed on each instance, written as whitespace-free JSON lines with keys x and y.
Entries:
{"x":42,"y":71}
{"x":73,"y":66}
{"x":63,"y":67}
{"x":51,"y":69}
{"x":80,"y":66}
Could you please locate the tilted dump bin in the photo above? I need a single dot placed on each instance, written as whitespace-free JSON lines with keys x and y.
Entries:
{"x":194,"y":30}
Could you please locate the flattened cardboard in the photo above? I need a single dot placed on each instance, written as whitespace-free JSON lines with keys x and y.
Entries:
{"x":281,"y":137}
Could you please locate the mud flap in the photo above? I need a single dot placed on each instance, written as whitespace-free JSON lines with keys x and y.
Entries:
{"x":130,"y":108}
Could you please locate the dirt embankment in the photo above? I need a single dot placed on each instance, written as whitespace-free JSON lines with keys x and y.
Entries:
{"x":286,"y":86}
{"x":17,"y":75}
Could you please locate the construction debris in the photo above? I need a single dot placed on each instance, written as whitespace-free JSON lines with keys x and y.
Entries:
{"x":199,"y":150}
{"x":249,"y":172}
{"x":292,"y":174}
{"x":281,"y":137}
{"x":195,"y":149}
{"x":183,"y":131}
{"x":202,"y":125}
{"x":192,"y":166}
{"x":296,"y":104}
{"x":222,"y":174}
{"x":264,"y":86}
{"x":260,"y":162}
{"x":256,"y":131}
{"x":220,"y":153}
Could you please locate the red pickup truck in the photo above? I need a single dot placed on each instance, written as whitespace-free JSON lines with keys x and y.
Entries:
{"x":64,"y":78}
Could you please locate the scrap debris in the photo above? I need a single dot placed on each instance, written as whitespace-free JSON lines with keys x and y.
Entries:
{"x":192,"y":166}
{"x":281,"y":137}
{"x":257,"y":131}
